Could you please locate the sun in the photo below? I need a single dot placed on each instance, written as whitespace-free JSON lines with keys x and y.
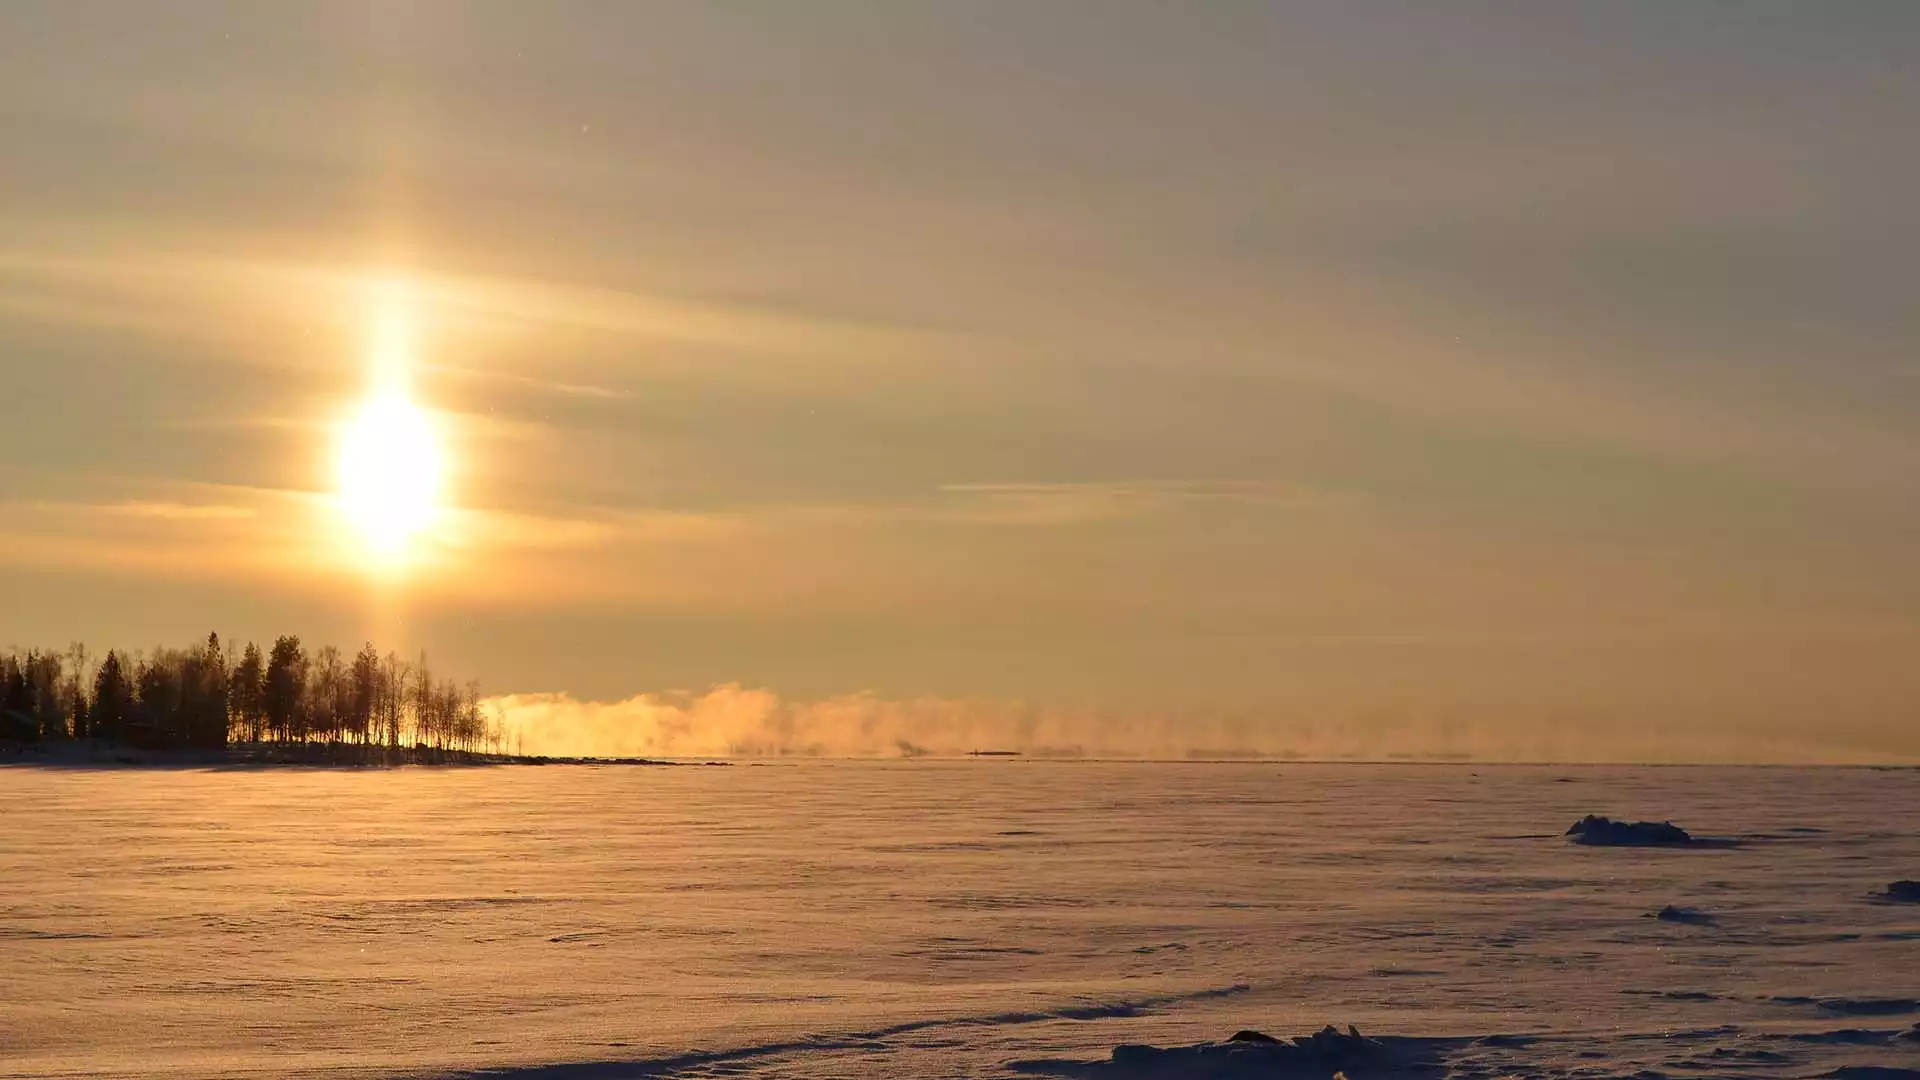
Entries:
{"x":390,"y":473}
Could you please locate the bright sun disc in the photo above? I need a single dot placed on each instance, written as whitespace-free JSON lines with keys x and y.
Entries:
{"x":390,"y":473}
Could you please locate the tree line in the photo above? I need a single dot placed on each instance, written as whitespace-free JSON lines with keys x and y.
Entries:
{"x":207,"y":696}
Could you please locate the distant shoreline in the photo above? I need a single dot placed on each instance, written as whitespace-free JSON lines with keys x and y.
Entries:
{"x":291,"y":754}
{"x":92,"y":754}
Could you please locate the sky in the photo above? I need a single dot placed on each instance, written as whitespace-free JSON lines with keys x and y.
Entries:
{"x":1511,"y":380}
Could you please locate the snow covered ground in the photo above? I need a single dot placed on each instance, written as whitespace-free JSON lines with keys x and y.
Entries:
{"x":926,"y":918}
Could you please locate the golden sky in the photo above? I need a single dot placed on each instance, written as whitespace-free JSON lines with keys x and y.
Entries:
{"x":1504,"y":379}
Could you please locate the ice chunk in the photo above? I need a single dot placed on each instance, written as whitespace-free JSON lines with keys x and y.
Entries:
{"x":1605,"y":832}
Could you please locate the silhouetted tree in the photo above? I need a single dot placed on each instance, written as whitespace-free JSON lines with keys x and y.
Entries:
{"x":76,"y":689}
{"x":44,"y":687}
{"x":200,"y":697}
{"x":112,"y":700}
{"x":426,"y":724}
{"x":393,"y":697}
{"x":17,"y":722}
{"x":363,"y":691}
{"x":286,"y":689}
{"x":325,"y":694}
{"x":157,"y":692}
{"x":15,"y":697}
{"x":200,"y":719}
{"x":247,"y":693}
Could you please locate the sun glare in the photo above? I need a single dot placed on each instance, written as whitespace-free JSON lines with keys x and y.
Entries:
{"x":390,"y":474}
{"x":391,"y":469}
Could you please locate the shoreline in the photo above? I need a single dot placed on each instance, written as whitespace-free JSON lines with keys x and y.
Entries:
{"x":90,"y":754}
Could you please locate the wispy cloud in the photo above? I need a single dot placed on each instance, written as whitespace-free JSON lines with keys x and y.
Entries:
{"x":191,"y":532}
{"x":1056,"y":503}
{"x":296,"y":539}
{"x":536,"y":385}
{"x":161,"y":290}
{"x":831,"y":554}
{"x":181,"y":511}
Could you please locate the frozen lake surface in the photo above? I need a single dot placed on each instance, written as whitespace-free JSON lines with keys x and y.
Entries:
{"x":949,"y":919}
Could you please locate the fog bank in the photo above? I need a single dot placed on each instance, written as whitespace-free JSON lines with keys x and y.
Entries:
{"x":741,"y":722}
